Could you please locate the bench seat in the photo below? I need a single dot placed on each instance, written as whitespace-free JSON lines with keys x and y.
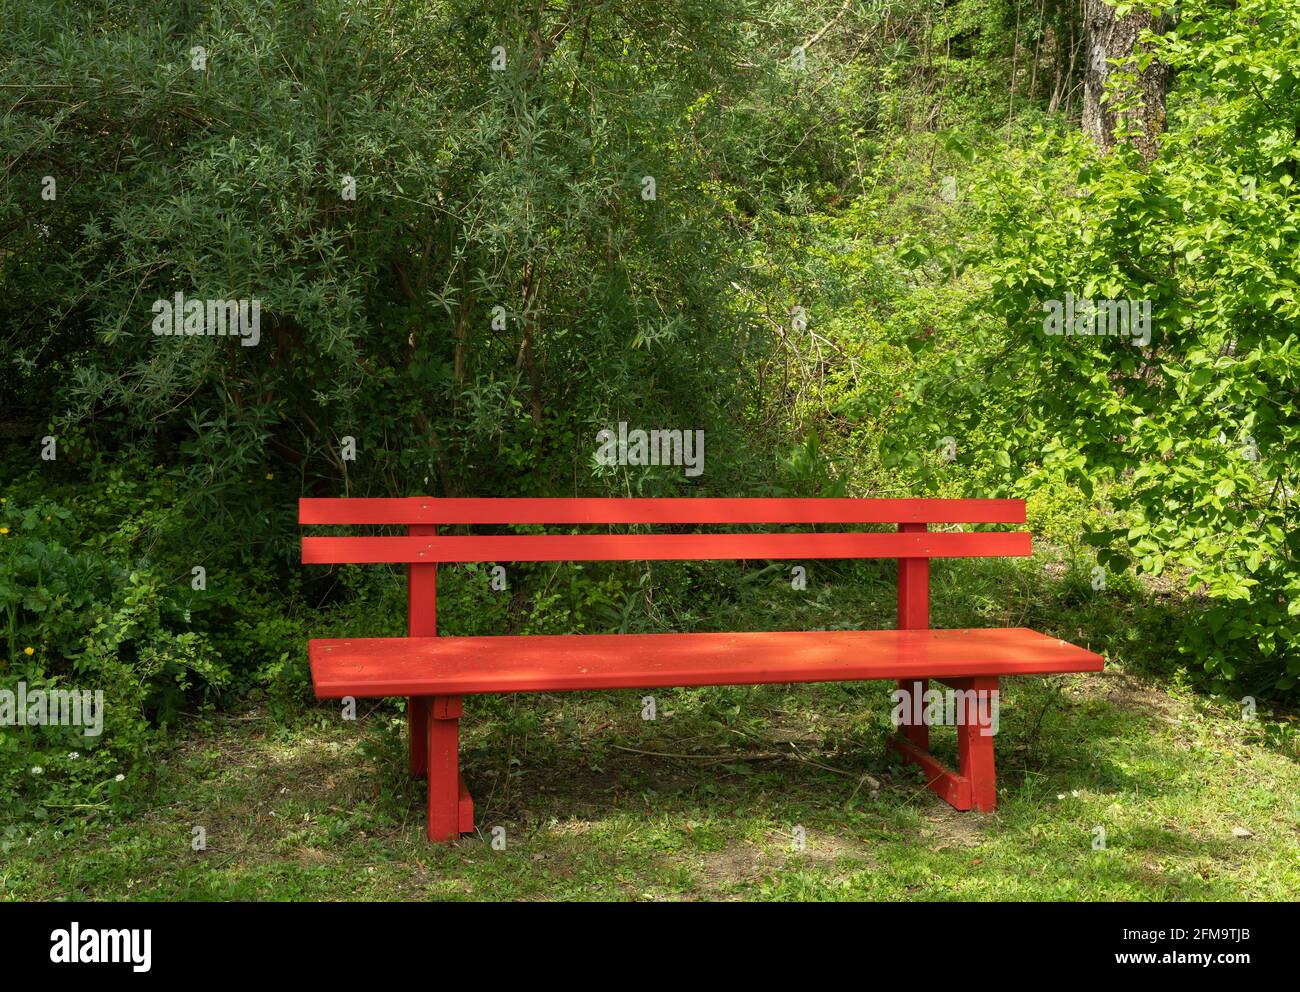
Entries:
{"x":454,"y":666}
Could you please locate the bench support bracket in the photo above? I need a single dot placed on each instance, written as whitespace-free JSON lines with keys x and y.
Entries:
{"x":975,"y":785}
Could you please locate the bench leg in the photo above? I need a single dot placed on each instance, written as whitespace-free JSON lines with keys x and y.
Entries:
{"x":417,"y":734}
{"x":975,"y":786}
{"x":917,"y":733}
{"x":975,"y":743}
{"x":451,"y":811}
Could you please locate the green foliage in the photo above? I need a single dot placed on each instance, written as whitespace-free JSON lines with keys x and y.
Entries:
{"x":1195,"y":438}
{"x":476,"y":189}
{"x":843,"y":267}
{"x":84,"y":612}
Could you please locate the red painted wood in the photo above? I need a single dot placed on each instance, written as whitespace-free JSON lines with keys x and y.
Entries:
{"x":422,"y":590}
{"x":444,"y":777}
{"x":917,"y":733}
{"x":446,"y":708}
{"x":422,"y":621}
{"x":434,"y":672}
{"x":417,"y":734}
{"x":397,"y":666}
{"x":975,"y":749}
{"x":659,"y":547}
{"x":952,"y":788}
{"x":975,"y":786}
{"x":465,"y":809}
{"x":914,"y":586}
{"x":914,"y":614}
{"x":682,"y":510}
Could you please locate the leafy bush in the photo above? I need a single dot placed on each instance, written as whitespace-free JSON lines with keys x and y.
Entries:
{"x":82,"y":613}
{"x":1196,"y":436}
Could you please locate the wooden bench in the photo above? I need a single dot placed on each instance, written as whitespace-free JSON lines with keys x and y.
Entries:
{"x":435,"y":672}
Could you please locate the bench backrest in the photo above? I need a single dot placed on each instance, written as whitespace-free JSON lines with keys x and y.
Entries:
{"x":422,"y":549}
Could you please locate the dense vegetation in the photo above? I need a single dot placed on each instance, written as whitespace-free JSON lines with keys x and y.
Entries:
{"x":824,"y":234}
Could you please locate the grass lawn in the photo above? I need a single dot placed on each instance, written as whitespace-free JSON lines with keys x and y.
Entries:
{"x":704,"y":802}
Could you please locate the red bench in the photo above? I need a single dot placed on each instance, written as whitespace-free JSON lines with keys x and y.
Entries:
{"x":435,"y":672}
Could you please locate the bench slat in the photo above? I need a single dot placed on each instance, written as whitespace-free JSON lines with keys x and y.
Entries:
{"x":659,"y":547}
{"x":675,"y":510}
{"x":395,"y":666}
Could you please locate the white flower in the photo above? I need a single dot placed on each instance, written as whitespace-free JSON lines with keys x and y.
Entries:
{"x":120,"y":777}
{"x":37,"y":770}
{"x":73,"y":755}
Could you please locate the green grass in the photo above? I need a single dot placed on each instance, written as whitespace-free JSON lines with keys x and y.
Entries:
{"x":703,"y":802}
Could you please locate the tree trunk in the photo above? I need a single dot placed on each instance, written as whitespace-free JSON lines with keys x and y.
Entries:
{"x":1113,"y":39}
